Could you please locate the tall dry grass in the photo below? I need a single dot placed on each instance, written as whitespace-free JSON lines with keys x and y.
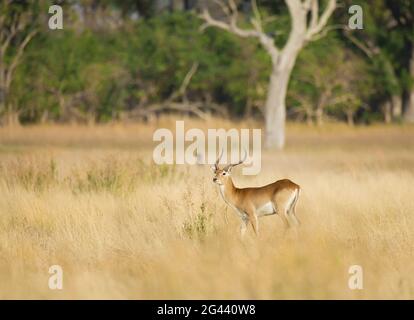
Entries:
{"x":89,"y":199}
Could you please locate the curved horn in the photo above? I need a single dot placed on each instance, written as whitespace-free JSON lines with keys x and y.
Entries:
{"x":231,"y":165}
{"x":218,"y":159}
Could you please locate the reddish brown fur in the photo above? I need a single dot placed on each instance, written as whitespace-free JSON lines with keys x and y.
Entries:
{"x":282,"y":194}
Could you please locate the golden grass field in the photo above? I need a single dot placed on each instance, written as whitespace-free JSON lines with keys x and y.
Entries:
{"x":89,"y":199}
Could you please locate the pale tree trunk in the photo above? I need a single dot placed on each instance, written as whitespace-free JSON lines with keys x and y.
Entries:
{"x":283,"y":64}
{"x":2,"y":101}
{"x":309,"y":120}
{"x":350,"y":118}
{"x":319,"y":108}
{"x":387,"y":111}
{"x":2,"y":86}
{"x":409,"y":111}
{"x":319,"y":115}
{"x":7,"y":69}
{"x":396,"y":106}
{"x":12,"y":117}
{"x":275,"y":109}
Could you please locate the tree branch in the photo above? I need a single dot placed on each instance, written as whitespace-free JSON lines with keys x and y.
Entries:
{"x":257,"y":21}
{"x":16,"y":59}
{"x":183,"y":88}
{"x":314,"y":14}
{"x":231,"y":26}
{"x":325,"y":31}
{"x":300,"y":33}
{"x":223,"y":7}
{"x":318,"y":23}
{"x":8,"y":37}
{"x":369,"y":52}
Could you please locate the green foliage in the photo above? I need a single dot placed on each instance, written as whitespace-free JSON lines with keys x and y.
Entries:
{"x":330,"y":78}
{"x":67,"y":74}
{"x":83,"y":74}
{"x":198,"y":226}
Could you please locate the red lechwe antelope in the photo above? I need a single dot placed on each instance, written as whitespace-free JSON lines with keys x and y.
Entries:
{"x":279,"y":197}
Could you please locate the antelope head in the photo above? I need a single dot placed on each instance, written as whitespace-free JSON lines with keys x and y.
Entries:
{"x":221,"y":175}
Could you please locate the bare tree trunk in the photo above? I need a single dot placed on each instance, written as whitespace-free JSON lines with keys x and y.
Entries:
{"x":45,"y":116}
{"x":8,"y":66}
{"x":12,"y":117}
{"x":350,"y":118}
{"x":308,"y":115}
{"x":322,"y":101}
{"x":387,"y":111}
{"x":2,"y":102}
{"x":275,"y":108}
{"x":396,"y":106}
{"x":283,"y":63}
{"x":2,"y":86}
{"x":409,"y":111}
{"x":319,"y":115}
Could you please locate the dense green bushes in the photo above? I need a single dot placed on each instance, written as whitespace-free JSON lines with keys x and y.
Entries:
{"x":92,"y":75}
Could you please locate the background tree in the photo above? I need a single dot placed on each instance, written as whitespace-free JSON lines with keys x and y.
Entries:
{"x":283,"y":59}
{"x":403,"y":13}
{"x":330,"y":79}
{"x":380,"y":43}
{"x":16,"y":31}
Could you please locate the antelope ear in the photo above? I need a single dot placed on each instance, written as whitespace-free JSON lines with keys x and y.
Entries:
{"x":228,"y":170}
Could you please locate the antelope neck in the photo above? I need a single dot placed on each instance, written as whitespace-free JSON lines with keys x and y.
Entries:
{"x":228,"y":189}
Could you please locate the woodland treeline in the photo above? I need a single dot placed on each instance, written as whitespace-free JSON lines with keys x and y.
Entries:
{"x":134,"y":60}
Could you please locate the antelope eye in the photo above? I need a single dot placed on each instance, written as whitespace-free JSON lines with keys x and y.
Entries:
{"x":223,"y":173}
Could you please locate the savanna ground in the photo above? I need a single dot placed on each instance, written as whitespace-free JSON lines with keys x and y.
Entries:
{"x":89,"y":199}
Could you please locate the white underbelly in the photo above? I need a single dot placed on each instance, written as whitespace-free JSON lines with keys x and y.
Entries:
{"x":267,"y":208}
